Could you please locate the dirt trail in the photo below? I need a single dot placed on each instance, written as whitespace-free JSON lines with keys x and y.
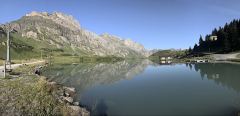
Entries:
{"x":225,"y":56}
{"x":13,"y":66}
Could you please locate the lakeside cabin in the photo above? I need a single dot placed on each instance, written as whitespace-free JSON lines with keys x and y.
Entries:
{"x":201,"y":61}
{"x":213,"y":38}
{"x":164,"y":62}
{"x":165,"y":57}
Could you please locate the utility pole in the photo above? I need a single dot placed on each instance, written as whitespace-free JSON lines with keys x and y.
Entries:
{"x":8,"y":29}
{"x":8,"y":47}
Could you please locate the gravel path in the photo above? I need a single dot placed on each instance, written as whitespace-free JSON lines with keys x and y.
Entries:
{"x":225,"y":56}
{"x":13,"y":66}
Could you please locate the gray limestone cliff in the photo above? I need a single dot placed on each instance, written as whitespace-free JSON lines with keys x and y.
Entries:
{"x":61,"y":30}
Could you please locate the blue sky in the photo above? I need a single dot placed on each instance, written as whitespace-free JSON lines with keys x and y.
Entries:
{"x":158,"y":24}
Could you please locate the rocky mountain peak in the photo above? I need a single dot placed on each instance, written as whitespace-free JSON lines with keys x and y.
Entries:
{"x":59,"y":18}
{"x":64,"y":32}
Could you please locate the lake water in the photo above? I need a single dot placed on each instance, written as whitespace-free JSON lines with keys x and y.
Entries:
{"x":135,"y":88}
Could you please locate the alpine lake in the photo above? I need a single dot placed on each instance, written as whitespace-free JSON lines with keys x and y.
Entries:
{"x":142,"y":87}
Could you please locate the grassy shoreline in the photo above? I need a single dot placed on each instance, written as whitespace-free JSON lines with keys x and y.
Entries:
{"x":29,"y":94}
{"x":36,"y":95}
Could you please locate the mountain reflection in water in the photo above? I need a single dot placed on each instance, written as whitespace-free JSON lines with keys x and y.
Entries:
{"x":142,"y":87}
{"x":85,"y":75}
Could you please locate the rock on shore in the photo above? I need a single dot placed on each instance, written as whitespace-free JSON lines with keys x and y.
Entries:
{"x":65,"y":95}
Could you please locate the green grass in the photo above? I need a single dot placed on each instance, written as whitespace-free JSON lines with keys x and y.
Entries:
{"x":21,"y":48}
{"x":28,"y":96}
{"x":27,"y":48}
{"x":84,"y":59}
{"x":168,"y":53}
{"x":24,"y":49}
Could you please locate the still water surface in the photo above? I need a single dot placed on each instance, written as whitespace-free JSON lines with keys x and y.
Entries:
{"x":134,"y":88}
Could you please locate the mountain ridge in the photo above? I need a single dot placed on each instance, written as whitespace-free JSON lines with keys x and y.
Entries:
{"x":64,"y":32}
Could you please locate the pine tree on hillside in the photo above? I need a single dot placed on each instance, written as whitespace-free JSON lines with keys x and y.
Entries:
{"x":228,"y":39}
{"x":190,"y":50}
{"x":226,"y":45}
{"x":214,"y":32}
{"x":201,"y":40}
{"x":195,"y":48}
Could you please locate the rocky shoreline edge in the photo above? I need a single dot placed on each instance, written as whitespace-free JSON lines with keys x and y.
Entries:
{"x":66,"y":96}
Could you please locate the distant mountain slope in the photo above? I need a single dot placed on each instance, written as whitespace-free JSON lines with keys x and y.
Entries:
{"x":62,"y":33}
{"x":169,"y":52}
